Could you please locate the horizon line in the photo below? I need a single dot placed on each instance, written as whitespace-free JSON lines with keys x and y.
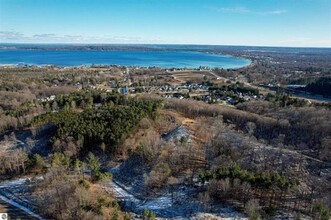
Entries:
{"x":184,"y":44}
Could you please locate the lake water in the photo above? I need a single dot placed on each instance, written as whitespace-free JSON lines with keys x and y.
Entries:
{"x":163,"y":59}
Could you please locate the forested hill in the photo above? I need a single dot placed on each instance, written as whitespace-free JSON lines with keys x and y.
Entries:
{"x":322,"y":86}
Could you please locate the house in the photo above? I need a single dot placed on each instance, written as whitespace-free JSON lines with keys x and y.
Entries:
{"x":123,"y":90}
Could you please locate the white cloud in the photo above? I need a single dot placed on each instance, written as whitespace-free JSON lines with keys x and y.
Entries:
{"x":275,"y":12}
{"x":10,"y":35}
{"x":18,"y":37}
{"x":235,"y":10}
{"x":243,"y":10}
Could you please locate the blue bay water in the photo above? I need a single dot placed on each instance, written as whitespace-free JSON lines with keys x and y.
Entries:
{"x":163,"y":59}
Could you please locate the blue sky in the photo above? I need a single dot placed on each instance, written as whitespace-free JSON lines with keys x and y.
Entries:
{"x":221,"y":22}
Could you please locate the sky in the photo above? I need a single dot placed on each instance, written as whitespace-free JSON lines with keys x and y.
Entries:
{"x":296,"y":23}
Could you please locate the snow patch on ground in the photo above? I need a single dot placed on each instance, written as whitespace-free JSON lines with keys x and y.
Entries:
{"x":164,"y":206}
{"x":13,"y":183}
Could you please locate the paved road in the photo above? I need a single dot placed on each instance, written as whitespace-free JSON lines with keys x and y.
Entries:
{"x":14,"y":212}
{"x":12,"y":201}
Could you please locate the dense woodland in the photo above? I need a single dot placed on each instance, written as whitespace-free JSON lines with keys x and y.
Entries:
{"x":105,"y":126}
{"x":322,"y":86}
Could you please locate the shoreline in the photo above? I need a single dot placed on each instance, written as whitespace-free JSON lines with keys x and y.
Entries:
{"x":115,"y":65}
{"x":118,"y":65}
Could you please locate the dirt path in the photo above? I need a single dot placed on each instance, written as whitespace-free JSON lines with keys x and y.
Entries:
{"x":189,"y":123}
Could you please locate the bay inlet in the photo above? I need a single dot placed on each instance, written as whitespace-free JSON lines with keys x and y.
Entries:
{"x":162,"y":59}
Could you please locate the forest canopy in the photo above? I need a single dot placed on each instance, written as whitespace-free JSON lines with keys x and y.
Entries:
{"x":107,"y":124}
